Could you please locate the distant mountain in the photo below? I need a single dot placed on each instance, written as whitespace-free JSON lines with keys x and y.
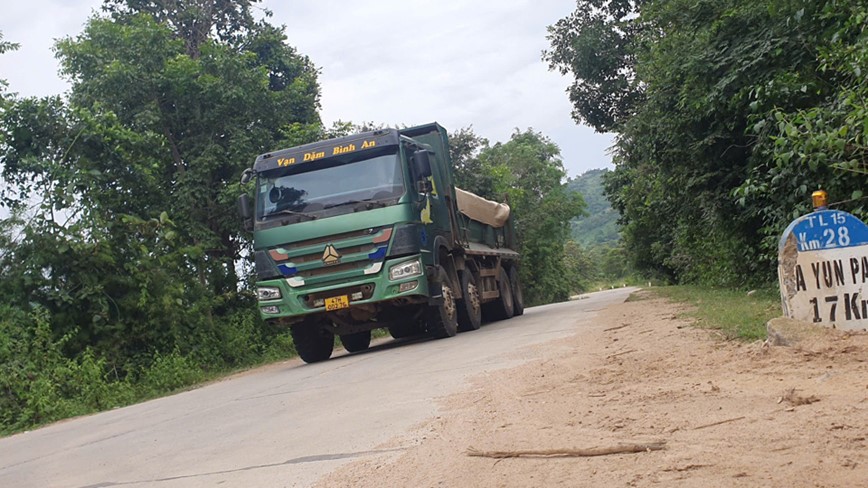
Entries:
{"x":600,"y":226}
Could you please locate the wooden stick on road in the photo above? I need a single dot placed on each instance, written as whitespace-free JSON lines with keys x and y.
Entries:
{"x":616,"y":328}
{"x":718,"y":423}
{"x":558,"y":453}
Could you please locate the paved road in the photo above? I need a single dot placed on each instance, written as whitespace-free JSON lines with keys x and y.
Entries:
{"x":284,"y":425}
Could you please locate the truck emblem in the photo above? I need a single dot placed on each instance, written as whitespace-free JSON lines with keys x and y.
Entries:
{"x":331,"y":256}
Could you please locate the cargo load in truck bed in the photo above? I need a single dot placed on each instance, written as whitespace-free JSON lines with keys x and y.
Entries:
{"x":482,"y":210}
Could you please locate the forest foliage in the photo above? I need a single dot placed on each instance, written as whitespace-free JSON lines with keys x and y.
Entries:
{"x":118,"y":261}
{"x":728,"y":114}
{"x":599,"y":225}
{"x":595,"y":255}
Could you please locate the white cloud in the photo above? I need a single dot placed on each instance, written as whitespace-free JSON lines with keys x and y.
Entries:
{"x":32,"y":70}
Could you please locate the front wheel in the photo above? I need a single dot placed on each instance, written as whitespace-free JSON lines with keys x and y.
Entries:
{"x":312,"y":342}
{"x":442,"y":319}
{"x":356,"y":342}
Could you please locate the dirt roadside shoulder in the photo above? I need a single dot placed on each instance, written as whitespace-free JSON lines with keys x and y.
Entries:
{"x":727,"y":414}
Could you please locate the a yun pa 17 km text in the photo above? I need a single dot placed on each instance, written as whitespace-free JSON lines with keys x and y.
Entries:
{"x":830,"y":274}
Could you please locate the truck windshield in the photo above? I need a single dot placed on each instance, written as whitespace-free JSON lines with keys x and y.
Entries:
{"x":312,"y":189}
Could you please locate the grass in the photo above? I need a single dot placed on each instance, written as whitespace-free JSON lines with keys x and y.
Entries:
{"x":735,"y":313}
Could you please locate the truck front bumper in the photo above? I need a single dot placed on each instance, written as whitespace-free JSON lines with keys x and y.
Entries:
{"x":298,"y":301}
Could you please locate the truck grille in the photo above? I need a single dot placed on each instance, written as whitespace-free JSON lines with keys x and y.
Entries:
{"x":357,"y":251}
{"x":317,"y":256}
{"x":310,"y":273}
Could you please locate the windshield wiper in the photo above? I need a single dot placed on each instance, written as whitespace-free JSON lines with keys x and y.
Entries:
{"x":368,"y":204}
{"x":292,"y":212}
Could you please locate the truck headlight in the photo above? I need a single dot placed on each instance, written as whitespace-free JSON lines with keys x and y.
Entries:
{"x":405,"y":270}
{"x":265,"y":293}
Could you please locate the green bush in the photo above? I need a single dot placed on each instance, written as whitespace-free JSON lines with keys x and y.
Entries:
{"x":38,"y":384}
{"x":240,"y":338}
{"x":168,"y":372}
{"x":280,"y":347}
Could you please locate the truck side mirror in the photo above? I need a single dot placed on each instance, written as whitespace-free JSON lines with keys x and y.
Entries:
{"x":247,"y":175}
{"x":421,"y":164}
{"x":245,"y":210}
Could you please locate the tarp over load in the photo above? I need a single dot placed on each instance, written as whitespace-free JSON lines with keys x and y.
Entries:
{"x":482,"y":210}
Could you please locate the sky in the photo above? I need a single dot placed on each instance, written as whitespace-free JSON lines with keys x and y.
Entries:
{"x":394,"y":62}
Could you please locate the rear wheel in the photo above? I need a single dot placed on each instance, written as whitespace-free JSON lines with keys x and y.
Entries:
{"x":469,"y":307}
{"x":442,"y":319}
{"x":517,"y":297}
{"x":312,"y":342}
{"x":502,"y":307}
{"x":356,"y":342}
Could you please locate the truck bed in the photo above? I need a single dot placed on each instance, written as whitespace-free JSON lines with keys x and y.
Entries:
{"x":485,"y":227}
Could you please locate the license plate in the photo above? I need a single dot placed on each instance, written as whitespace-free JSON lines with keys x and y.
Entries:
{"x":337,"y":303}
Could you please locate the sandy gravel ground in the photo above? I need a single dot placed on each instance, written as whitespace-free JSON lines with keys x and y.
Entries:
{"x":726,"y":414}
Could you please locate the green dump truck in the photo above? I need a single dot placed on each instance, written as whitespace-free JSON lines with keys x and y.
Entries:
{"x":368,"y":231}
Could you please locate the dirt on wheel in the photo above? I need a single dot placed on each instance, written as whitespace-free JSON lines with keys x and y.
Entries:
{"x":640,"y":398}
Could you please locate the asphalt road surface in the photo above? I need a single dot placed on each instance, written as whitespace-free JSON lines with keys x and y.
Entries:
{"x":284,"y":425}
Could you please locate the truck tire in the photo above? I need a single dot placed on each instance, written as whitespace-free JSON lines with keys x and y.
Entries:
{"x":517,"y":296}
{"x":503,"y":306}
{"x":356,"y":342}
{"x":313,"y":343}
{"x":470,"y":306}
{"x":442,"y":319}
